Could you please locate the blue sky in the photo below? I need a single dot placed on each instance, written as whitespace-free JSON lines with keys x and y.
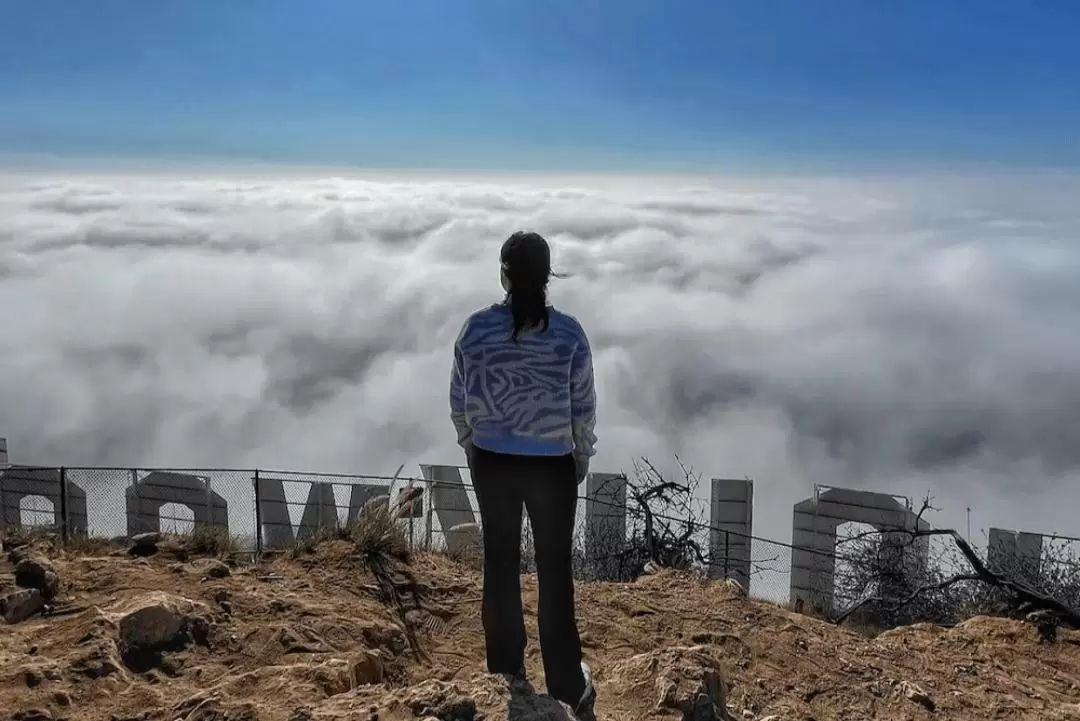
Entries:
{"x":548,"y":84}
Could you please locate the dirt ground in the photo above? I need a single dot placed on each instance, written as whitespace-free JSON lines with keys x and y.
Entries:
{"x":318,"y":637}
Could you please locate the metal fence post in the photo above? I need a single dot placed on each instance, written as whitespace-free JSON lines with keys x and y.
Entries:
{"x":428,"y":513}
{"x":64,"y":526}
{"x":134,"y":520}
{"x":258,"y":517}
{"x":727,"y":549}
{"x":412,"y":502}
{"x":209,"y":506}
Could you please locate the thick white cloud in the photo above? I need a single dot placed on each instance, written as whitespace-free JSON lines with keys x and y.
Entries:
{"x":902,"y":335}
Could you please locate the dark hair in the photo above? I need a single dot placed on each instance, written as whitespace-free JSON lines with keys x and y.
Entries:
{"x":526,"y":260}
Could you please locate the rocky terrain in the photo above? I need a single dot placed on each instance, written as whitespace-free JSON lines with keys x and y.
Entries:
{"x":313,"y":636}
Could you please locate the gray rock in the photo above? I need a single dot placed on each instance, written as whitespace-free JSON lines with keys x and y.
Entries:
{"x":18,"y":606}
{"x":216,"y":569}
{"x":158,"y":623}
{"x":146,"y":539}
{"x":527,"y":705}
{"x":144,"y":544}
{"x":37,"y":573}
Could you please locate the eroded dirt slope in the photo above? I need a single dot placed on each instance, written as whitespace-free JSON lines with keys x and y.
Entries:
{"x":318,"y":637}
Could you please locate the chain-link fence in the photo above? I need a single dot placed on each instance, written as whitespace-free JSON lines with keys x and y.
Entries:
{"x":886,"y":576}
{"x":1059,"y":572}
{"x":458,"y":506}
{"x":296,"y":508}
{"x":259,"y":510}
{"x":618,"y":550}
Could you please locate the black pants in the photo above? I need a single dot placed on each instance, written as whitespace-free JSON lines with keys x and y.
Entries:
{"x":547,"y":487}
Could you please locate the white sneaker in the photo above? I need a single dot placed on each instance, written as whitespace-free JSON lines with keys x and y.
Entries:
{"x":586,"y":707}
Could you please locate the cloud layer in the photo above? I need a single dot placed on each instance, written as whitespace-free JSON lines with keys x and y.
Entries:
{"x":901,"y":335}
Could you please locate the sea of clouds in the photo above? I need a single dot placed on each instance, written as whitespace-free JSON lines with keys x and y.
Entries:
{"x":903,"y":335}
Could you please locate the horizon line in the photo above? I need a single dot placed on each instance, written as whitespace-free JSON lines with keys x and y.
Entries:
{"x":166,"y":164}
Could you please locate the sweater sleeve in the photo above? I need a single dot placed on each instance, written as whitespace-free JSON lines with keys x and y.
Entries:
{"x":457,"y":393}
{"x":583,"y":404}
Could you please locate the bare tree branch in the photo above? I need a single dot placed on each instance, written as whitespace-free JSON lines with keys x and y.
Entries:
{"x":896,"y":605}
{"x":918,"y":592}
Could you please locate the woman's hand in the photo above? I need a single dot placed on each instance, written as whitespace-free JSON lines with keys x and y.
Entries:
{"x":581,"y":467}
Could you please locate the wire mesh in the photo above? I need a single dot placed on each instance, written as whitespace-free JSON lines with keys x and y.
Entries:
{"x":105,"y":500}
{"x":296,"y":507}
{"x":877,"y":573}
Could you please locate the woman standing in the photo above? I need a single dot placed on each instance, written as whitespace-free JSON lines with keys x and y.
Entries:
{"x":524,"y":406}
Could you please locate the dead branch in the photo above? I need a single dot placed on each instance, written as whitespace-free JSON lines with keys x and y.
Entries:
{"x":896,"y":605}
{"x":666,"y":527}
{"x":1024,"y":594}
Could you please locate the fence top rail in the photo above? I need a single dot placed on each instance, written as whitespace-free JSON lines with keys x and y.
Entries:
{"x":302,"y":476}
{"x":306,"y":475}
{"x":1057,"y":537}
{"x":205,"y":469}
{"x":151,"y":469}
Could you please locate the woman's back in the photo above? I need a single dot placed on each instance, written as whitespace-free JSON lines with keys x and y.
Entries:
{"x":532,"y":395}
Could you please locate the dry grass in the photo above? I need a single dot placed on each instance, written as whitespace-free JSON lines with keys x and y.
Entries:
{"x":202,"y":542}
{"x":304,"y":631}
{"x":309,"y":543}
{"x":378,"y":534}
{"x":17,"y":536}
{"x":83,"y":544}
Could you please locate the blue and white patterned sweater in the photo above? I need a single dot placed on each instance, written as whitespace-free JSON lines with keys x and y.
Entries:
{"x":533,"y":397}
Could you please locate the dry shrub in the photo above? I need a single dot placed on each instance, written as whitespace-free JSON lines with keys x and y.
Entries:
{"x":24,"y":535}
{"x":309,"y":543}
{"x":38,"y":537}
{"x":377,"y":533}
{"x":204,"y":541}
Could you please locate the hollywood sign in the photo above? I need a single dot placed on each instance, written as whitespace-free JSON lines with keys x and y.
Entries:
{"x":815,"y":520}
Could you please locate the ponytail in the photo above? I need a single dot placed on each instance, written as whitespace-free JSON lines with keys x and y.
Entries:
{"x":526,"y":261}
{"x":528,"y":301}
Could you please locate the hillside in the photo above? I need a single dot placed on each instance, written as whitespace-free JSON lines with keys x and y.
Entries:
{"x":317,"y":637}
